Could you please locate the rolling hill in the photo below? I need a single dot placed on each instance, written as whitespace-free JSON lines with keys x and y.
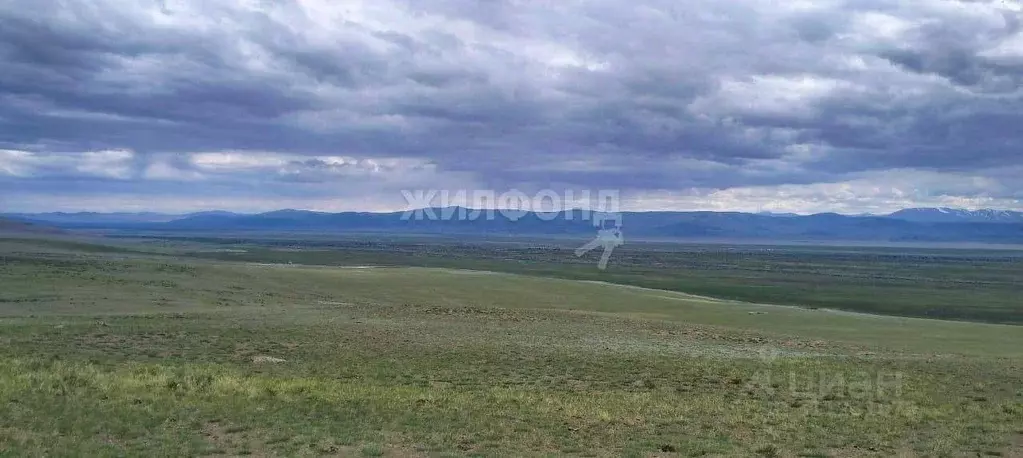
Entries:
{"x":11,"y":226}
{"x":733,"y":225}
{"x":912,"y":225}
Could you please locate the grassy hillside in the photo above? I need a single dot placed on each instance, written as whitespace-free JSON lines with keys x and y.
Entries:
{"x":113,"y":354}
{"x":10,"y":227}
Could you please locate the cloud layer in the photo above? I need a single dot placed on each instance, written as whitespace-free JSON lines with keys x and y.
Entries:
{"x":252,"y":105}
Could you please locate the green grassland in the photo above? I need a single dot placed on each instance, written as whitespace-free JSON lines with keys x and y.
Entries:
{"x":171,"y":348}
{"x":955,"y":284}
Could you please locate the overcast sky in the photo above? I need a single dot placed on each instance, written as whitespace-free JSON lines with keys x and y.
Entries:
{"x":250,"y":105}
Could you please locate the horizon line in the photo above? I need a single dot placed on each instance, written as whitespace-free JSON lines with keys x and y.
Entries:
{"x":475,"y":209}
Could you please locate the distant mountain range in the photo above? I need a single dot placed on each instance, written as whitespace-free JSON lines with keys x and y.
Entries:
{"x":957,"y":215}
{"x":90,"y":219}
{"x":917,"y":224}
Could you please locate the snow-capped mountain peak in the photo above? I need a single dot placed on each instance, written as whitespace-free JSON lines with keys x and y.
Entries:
{"x":946,"y":215}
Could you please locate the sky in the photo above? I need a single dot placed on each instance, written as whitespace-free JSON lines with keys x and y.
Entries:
{"x":856,"y":106}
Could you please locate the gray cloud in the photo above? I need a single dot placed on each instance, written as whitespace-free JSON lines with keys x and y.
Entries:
{"x":653,"y":96}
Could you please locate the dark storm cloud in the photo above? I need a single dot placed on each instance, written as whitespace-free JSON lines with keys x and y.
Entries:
{"x":645,"y":95}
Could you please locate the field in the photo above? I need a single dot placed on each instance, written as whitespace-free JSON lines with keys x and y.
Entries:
{"x":961,"y":284}
{"x":171,"y":347}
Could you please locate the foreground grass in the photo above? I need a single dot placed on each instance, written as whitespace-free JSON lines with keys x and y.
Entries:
{"x":155,"y":357}
{"x":195,"y":385}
